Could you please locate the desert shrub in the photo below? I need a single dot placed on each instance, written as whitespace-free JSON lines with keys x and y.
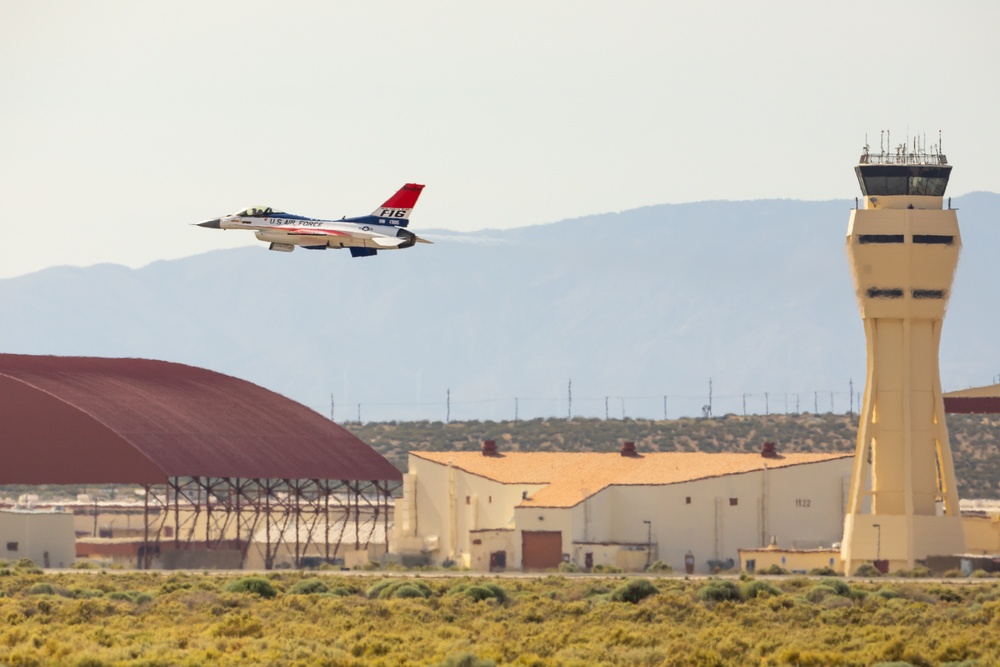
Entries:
{"x":952,"y":574}
{"x":979,"y":574}
{"x":408,"y":590}
{"x":457,"y":589}
{"x":479,"y":592}
{"x":839,"y":585}
{"x":659,"y":566}
{"x":41,"y":588}
{"x":775,"y":570}
{"x":887,"y":593}
{"x":85,"y":565}
{"x":752,"y":589}
{"x":498,"y":593}
{"x":720,"y":591}
{"x":85,"y":593}
{"x":252,"y":585}
{"x":607,"y":569}
{"x":309,"y":587}
{"x":919,"y":572}
{"x":819,"y":592}
{"x":823,"y":572}
{"x":397,"y":588}
{"x":867,"y":570}
{"x":466,"y":660}
{"x":239,"y":624}
{"x":945,"y":594}
{"x":634,"y":591}
{"x":339,"y":591}
{"x":121,"y":595}
{"x":569,"y":567}
{"x":375,"y":589}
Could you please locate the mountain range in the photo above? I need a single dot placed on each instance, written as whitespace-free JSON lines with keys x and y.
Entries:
{"x":652,"y":312}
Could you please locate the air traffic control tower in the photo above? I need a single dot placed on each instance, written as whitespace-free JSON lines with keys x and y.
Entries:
{"x":903,"y":247}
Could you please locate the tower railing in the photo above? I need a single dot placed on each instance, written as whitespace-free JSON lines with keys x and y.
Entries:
{"x":901,"y":156}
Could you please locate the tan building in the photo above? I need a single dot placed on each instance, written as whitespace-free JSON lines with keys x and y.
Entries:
{"x":517,"y":510}
{"x":46,"y":538}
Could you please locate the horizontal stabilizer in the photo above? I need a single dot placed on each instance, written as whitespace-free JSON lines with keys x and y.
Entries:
{"x":387,"y":241}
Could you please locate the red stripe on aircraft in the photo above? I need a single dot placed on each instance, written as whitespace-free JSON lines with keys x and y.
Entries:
{"x":313,"y":232}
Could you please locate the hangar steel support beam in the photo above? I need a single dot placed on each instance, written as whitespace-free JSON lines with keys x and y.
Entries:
{"x":311,"y":519}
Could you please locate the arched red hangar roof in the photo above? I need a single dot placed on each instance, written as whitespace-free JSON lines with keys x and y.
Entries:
{"x":92,"y":420}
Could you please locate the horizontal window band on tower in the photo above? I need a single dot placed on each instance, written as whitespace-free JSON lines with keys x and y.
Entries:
{"x":880,"y":238}
{"x":890,"y":180}
{"x":933,"y":239}
{"x":885,"y":293}
{"x":928,"y":294}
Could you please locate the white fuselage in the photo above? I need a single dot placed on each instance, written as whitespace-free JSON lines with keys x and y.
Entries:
{"x":318,"y":233}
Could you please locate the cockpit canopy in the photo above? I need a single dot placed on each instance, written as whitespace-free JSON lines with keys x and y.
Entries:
{"x":256,"y":212}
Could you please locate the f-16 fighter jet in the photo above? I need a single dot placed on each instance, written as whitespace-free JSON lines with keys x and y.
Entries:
{"x":384,"y":229}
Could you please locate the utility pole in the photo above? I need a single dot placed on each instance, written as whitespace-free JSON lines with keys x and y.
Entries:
{"x":815,"y":402}
{"x":332,"y":405}
{"x":569,"y":392}
{"x":649,"y":542}
{"x":744,"y":404}
{"x":767,"y":405}
{"x":447,"y":416}
{"x":664,"y":408}
{"x":709,"y":397}
{"x":851,"y":384}
{"x":605,"y":408}
{"x":515,"y":408}
{"x":359,"y":413}
{"x":622,"y":399}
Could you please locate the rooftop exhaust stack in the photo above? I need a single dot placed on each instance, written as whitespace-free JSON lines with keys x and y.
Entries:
{"x":628,"y":449}
{"x":490,"y":448}
{"x":769,"y":450}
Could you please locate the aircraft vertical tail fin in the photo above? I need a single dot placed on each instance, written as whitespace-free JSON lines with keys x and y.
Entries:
{"x":396,"y":210}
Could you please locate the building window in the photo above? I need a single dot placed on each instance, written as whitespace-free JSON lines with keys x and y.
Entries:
{"x":490,"y":501}
{"x":734,"y":501}
{"x":468,"y":500}
{"x":12,"y":546}
{"x":687,"y":500}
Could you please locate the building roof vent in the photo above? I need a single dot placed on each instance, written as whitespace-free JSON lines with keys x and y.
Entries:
{"x":769,"y":450}
{"x":628,"y":449}
{"x":490,"y":448}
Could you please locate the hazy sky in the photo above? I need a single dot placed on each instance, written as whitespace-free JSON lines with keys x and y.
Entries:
{"x":124,"y":122}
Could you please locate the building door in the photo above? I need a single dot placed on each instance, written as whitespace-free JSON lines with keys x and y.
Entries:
{"x":498,"y":561}
{"x":541,"y":549}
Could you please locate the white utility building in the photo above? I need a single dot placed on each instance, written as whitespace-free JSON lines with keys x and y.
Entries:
{"x":495,"y":510}
{"x":46,"y":538}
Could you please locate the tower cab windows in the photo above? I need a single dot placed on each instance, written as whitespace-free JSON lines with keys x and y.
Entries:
{"x":884,"y":180}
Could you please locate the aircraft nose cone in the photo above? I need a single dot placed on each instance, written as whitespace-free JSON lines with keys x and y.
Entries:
{"x":211,"y":224}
